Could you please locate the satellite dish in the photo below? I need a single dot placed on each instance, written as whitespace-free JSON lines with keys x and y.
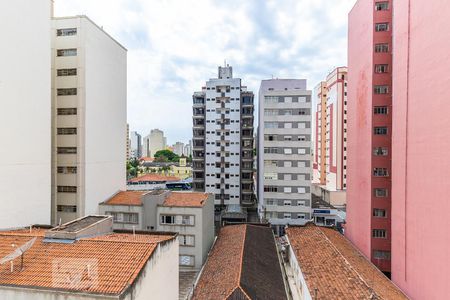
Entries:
{"x":18,"y":252}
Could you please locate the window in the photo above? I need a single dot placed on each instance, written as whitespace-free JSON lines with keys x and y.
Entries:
{"x":381,"y":68}
{"x":379,"y":233}
{"x":380,"y":151}
{"x":66,"y":131}
{"x":67,"y":150}
{"x":381,"y":48}
{"x":66,"y":92}
{"x":67,"y":111}
{"x":381,"y":89}
{"x":287,"y":189}
{"x":269,"y":137}
{"x":301,"y":190}
{"x":186,"y":240}
{"x":380,"y":110}
{"x":67,"y":170}
{"x":177,"y":220}
{"x":287,"y":112}
{"x":381,"y":6}
{"x":66,"y":72}
{"x":381,"y":27}
{"x":272,"y":150}
{"x":287,"y":215}
{"x":66,"y":32}
{"x":379,"y":192}
{"x":271,"y":176}
{"x":288,"y":125}
{"x":167,"y":219}
{"x":380,"y":130}
{"x":67,"y":189}
{"x":271,"y":99}
{"x":187,"y":260}
{"x":270,"y":124}
{"x":67,"y":208}
{"x":287,"y":164}
{"x":380,"y":172}
{"x":301,"y":216}
{"x":287,"y":151}
{"x":270,"y":189}
{"x":271,"y":112}
{"x":270,"y":163}
{"x":66,"y":52}
{"x":379,"y":213}
{"x":287,"y":202}
{"x":124,"y":217}
{"x":381,"y":254}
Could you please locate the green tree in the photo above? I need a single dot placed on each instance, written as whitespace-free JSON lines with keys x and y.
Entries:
{"x":169,"y":155}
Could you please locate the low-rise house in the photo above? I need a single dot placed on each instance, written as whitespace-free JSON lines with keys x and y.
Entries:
{"x":149,"y":182}
{"x":190,"y":214}
{"x":243,"y":264}
{"x":325,"y":265}
{"x":182,"y":169}
{"x":325,"y":214}
{"x":86,"y":259}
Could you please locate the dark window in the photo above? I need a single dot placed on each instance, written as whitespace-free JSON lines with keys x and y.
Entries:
{"x":66,"y":32}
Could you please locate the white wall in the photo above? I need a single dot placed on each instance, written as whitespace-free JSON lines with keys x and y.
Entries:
{"x":25,"y":101}
{"x":106,"y":114}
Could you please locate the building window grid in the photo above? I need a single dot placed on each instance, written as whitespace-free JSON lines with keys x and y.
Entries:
{"x":379,"y":233}
{"x":66,"y":32}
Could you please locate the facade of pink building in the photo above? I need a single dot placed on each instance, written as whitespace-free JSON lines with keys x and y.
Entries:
{"x":369,"y":131}
{"x":420,"y":144}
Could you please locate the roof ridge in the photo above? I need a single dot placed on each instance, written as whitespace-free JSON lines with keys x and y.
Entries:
{"x":242,"y":260}
{"x":349,"y":264}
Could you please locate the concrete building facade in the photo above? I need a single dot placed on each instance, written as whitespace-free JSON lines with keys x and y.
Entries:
{"x":223,"y":140}
{"x":88,"y":117}
{"x":189,"y":214}
{"x":25,"y":119}
{"x":154,"y":142}
{"x":178,"y":148}
{"x":330,"y":154}
{"x":420,"y":145}
{"x":135,"y":145}
{"x":284,"y":147}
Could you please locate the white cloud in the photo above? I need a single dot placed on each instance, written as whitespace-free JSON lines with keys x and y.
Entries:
{"x":174,"y":46}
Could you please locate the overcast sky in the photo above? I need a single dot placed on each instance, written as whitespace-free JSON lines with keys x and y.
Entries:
{"x":174,"y":46}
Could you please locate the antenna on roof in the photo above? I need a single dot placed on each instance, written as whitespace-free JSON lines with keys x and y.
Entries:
{"x":18,"y":252}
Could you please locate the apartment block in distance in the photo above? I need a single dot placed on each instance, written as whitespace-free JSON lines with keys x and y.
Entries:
{"x":420,"y":145}
{"x":89,"y":117}
{"x":25,"y":126}
{"x":284,"y":147}
{"x":370,"y":131}
{"x":330,"y":147}
{"x":135,"y":145}
{"x":223,"y":142}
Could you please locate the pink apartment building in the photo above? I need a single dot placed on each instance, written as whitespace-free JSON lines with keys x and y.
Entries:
{"x":330,"y":153}
{"x":370,"y":130}
{"x":416,"y":244}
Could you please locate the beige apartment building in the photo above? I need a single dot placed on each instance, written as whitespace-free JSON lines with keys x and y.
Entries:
{"x":330,"y":145}
{"x":89,"y":96}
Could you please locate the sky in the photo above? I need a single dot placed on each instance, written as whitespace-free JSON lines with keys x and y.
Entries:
{"x":175,"y":46}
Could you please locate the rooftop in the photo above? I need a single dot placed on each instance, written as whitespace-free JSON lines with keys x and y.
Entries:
{"x":243,"y":264}
{"x":107,"y":264}
{"x":126,"y":198}
{"x":186,"y":199}
{"x":335,"y":269}
{"x":154,"y":178}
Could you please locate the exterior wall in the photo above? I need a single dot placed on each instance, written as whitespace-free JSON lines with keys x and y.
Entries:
{"x":36,"y":294}
{"x":421,"y":142}
{"x":299,"y":280}
{"x":100,"y":118}
{"x":203,"y":229}
{"x":319,"y":130}
{"x":157,"y":142}
{"x":25,"y":85}
{"x":135,"y":145}
{"x":272,"y":168}
{"x":360,"y":45}
{"x":107,"y":209}
{"x":159,"y":280}
{"x":363,"y":62}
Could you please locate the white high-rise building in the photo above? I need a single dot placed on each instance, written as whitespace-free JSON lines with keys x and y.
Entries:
{"x":284,"y":152}
{"x":25,"y":119}
{"x":135,"y":145}
{"x":223,"y":141}
{"x":89,"y":117}
{"x":154,"y":142}
{"x":178,"y":148}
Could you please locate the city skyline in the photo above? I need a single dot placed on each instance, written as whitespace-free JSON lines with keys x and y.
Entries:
{"x":165,"y":64}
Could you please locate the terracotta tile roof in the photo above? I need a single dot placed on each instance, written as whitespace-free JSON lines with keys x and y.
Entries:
{"x":186,"y":199}
{"x":126,"y":198}
{"x":243,"y":264}
{"x":331,"y":264}
{"x":155,"y":178}
{"x":146,"y":158}
{"x":101,"y":265}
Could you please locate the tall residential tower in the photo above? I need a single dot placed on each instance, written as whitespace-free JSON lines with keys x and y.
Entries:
{"x":223,"y":141}
{"x":284,"y":152}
